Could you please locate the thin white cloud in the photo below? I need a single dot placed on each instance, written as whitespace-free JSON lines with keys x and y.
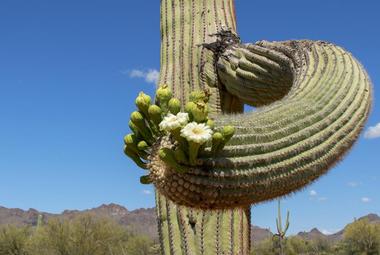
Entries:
{"x":136,"y":74}
{"x":329,"y":231}
{"x":146,"y":192}
{"x":150,"y":76}
{"x":353,"y":184}
{"x":372,"y":132}
{"x":366,"y":199}
{"x":326,"y":232}
{"x":314,"y":196}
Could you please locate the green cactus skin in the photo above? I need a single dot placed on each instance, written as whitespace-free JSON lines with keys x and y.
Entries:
{"x":291,"y":142}
{"x":185,"y":230}
{"x":314,"y":99}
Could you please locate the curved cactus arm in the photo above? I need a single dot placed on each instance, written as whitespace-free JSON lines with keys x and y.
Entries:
{"x":284,"y":146}
{"x":256,"y":75}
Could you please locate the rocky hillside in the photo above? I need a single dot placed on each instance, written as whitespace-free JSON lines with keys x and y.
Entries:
{"x":316,"y":234}
{"x":142,"y":220}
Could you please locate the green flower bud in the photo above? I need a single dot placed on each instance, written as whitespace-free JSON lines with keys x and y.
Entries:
{"x":142,"y":146}
{"x":193,"y":152}
{"x":200,"y":112}
{"x":167,"y":155}
{"x":228,"y":132}
{"x":189,"y":109}
{"x":143,"y":103}
{"x":139,"y":121}
{"x":155,"y":114}
{"x":134,"y":156}
{"x":199,"y":96}
{"x":145,"y":179}
{"x":131,"y":141}
{"x":180,"y":156}
{"x":217,"y":140}
{"x":174,"y":106}
{"x":210,"y":123}
{"x":134,"y":128}
{"x":163,"y":95}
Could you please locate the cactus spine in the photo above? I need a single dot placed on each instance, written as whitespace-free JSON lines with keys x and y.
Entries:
{"x":314,"y":99}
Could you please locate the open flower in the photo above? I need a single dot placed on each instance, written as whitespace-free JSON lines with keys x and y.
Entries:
{"x":172,"y":122}
{"x":183,"y":118}
{"x":197,"y":133}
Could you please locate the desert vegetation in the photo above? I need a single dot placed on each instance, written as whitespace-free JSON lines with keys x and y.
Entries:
{"x":359,"y":238}
{"x":93,"y":235}
{"x":83,"y":235}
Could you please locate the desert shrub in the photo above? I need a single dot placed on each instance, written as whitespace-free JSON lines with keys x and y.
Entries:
{"x":294,"y":245}
{"x":140,"y":245}
{"x":88,"y":235}
{"x":362,"y":237}
{"x":264,"y":247}
{"x":14,"y":240}
{"x":85,"y":235}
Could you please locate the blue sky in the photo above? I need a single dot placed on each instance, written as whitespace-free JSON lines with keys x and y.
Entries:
{"x":69,"y":73}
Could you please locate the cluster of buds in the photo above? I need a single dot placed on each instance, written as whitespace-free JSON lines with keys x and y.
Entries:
{"x":191,"y":130}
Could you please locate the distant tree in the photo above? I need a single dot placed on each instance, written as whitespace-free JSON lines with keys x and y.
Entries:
{"x":264,"y":247}
{"x":296,"y":246}
{"x":14,"y":240}
{"x":85,"y":235}
{"x":362,"y":238}
{"x":140,"y":245}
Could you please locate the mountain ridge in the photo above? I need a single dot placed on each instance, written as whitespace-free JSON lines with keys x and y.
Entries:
{"x":143,"y":220}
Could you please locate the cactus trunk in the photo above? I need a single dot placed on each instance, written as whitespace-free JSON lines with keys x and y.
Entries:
{"x":189,"y":231}
{"x":187,"y":66}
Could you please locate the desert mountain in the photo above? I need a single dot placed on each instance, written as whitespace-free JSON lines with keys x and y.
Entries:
{"x":316,"y":234}
{"x":143,"y":220}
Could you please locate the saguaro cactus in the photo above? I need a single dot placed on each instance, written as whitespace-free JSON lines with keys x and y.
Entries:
{"x":313,"y":100}
{"x":281,"y":231}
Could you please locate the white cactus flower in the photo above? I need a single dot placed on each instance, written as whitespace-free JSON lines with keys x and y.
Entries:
{"x":197,"y":132}
{"x":171,"y":121}
{"x":183,"y":118}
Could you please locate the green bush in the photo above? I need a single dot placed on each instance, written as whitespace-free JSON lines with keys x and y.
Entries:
{"x":91,"y":235}
{"x":13,"y":240}
{"x":362,"y":237}
{"x":293,"y":245}
{"x":83,"y":235}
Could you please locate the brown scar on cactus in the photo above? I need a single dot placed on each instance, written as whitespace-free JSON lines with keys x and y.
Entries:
{"x":313,"y":100}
